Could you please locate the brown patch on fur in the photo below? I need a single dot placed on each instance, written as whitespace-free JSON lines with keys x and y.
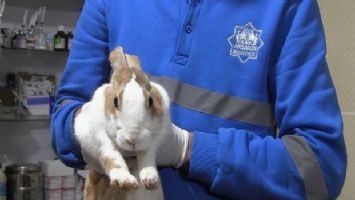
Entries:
{"x":118,"y":59}
{"x":157,"y":108}
{"x":142,"y":79}
{"x":97,"y":187}
{"x":121,"y":77}
{"x":126,"y":66}
{"x":110,"y":108}
{"x":133,"y":61}
{"x":108,"y":164}
{"x":94,"y":176}
{"x":119,"y":80}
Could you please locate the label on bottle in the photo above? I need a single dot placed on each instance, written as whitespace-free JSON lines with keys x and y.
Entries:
{"x":59,"y":43}
{"x":22,"y":43}
{"x":69,"y":43}
{"x":31,"y":43}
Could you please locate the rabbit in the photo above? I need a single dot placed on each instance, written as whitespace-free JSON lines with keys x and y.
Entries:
{"x":130,"y":114}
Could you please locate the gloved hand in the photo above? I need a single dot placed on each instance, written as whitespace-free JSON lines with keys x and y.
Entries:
{"x":174,"y":151}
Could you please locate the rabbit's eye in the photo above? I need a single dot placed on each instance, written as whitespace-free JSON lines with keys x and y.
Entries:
{"x":115,"y":102}
{"x":150,"y":102}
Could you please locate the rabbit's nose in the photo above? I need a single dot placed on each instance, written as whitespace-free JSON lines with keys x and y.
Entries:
{"x":131,"y":140}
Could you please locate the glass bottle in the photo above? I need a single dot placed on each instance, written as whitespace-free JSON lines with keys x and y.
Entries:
{"x":68,"y":40}
{"x":40,"y":37}
{"x":14,"y":39}
{"x":59,"y":39}
{"x":30,"y":39}
{"x":21,"y":40}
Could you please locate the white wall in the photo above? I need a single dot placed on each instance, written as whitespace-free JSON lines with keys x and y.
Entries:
{"x":25,"y":141}
{"x":338,"y":18}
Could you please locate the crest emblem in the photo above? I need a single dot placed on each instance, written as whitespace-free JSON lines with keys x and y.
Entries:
{"x":245,"y":42}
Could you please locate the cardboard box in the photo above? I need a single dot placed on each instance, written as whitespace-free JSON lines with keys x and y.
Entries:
{"x":56,"y":168}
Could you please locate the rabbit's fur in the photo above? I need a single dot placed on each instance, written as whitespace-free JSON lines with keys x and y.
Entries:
{"x":128,"y":114}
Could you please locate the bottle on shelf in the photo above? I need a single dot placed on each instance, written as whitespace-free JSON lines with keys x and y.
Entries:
{"x":30,"y":37}
{"x":14,"y":40}
{"x":59,"y":39}
{"x":3,"y":182}
{"x":40,"y":36}
{"x":68,"y":40}
{"x":21,"y":39}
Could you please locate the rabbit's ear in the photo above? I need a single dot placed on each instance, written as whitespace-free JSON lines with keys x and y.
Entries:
{"x":133,"y":61}
{"x":118,"y":59}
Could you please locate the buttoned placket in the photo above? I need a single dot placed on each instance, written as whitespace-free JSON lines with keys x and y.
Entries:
{"x":186,"y":34}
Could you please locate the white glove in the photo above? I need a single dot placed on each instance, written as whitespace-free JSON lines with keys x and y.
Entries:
{"x":173,"y":151}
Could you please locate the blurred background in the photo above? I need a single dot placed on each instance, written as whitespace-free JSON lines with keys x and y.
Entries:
{"x":52,"y":22}
{"x":338,"y":20}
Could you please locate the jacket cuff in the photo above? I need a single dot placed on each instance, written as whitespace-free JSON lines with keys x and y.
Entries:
{"x":203,"y":160}
{"x":73,"y":159}
{"x":69,"y":130}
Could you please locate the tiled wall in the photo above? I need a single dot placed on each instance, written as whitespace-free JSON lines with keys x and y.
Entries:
{"x":339,"y":20}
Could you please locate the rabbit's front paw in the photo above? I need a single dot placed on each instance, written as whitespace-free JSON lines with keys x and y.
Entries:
{"x":149,"y":177}
{"x":122,"y":179}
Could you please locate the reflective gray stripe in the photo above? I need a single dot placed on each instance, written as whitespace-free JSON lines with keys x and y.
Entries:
{"x":307,"y":165}
{"x":233,"y":108}
{"x":64,"y":102}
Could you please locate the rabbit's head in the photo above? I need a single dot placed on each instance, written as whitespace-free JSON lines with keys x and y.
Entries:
{"x":133,"y":105}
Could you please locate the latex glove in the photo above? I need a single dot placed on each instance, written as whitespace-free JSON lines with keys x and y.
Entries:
{"x":174,"y":151}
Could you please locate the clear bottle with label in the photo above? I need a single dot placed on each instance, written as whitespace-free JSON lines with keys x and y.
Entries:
{"x":3,"y":181}
{"x":68,"y":39}
{"x":30,"y":39}
{"x":40,"y":37}
{"x":22,"y":39}
{"x":59,"y":39}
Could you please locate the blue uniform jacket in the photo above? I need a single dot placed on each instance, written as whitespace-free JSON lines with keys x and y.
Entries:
{"x":248,"y":78}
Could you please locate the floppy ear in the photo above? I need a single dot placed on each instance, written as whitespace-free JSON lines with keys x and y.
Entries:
{"x":133,"y":62}
{"x":118,"y":59}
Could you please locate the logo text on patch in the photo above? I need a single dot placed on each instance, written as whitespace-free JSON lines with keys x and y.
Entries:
{"x":245,"y":42}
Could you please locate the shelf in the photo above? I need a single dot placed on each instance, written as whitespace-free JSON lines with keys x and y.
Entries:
{"x":24,"y":57}
{"x":19,"y":114}
{"x":62,"y":5}
{"x":34,"y":51}
{"x":29,"y":118}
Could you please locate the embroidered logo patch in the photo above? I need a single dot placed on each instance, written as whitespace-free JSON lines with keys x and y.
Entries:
{"x":245,"y":42}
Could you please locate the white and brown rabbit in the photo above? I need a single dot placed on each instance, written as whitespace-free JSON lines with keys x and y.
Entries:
{"x":128,"y":114}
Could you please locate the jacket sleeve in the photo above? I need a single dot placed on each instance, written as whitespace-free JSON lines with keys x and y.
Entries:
{"x":86,"y":69}
{"x":307,"y":158}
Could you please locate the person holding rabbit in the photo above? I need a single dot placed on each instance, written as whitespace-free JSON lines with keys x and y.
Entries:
{"x":253,"y":108}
